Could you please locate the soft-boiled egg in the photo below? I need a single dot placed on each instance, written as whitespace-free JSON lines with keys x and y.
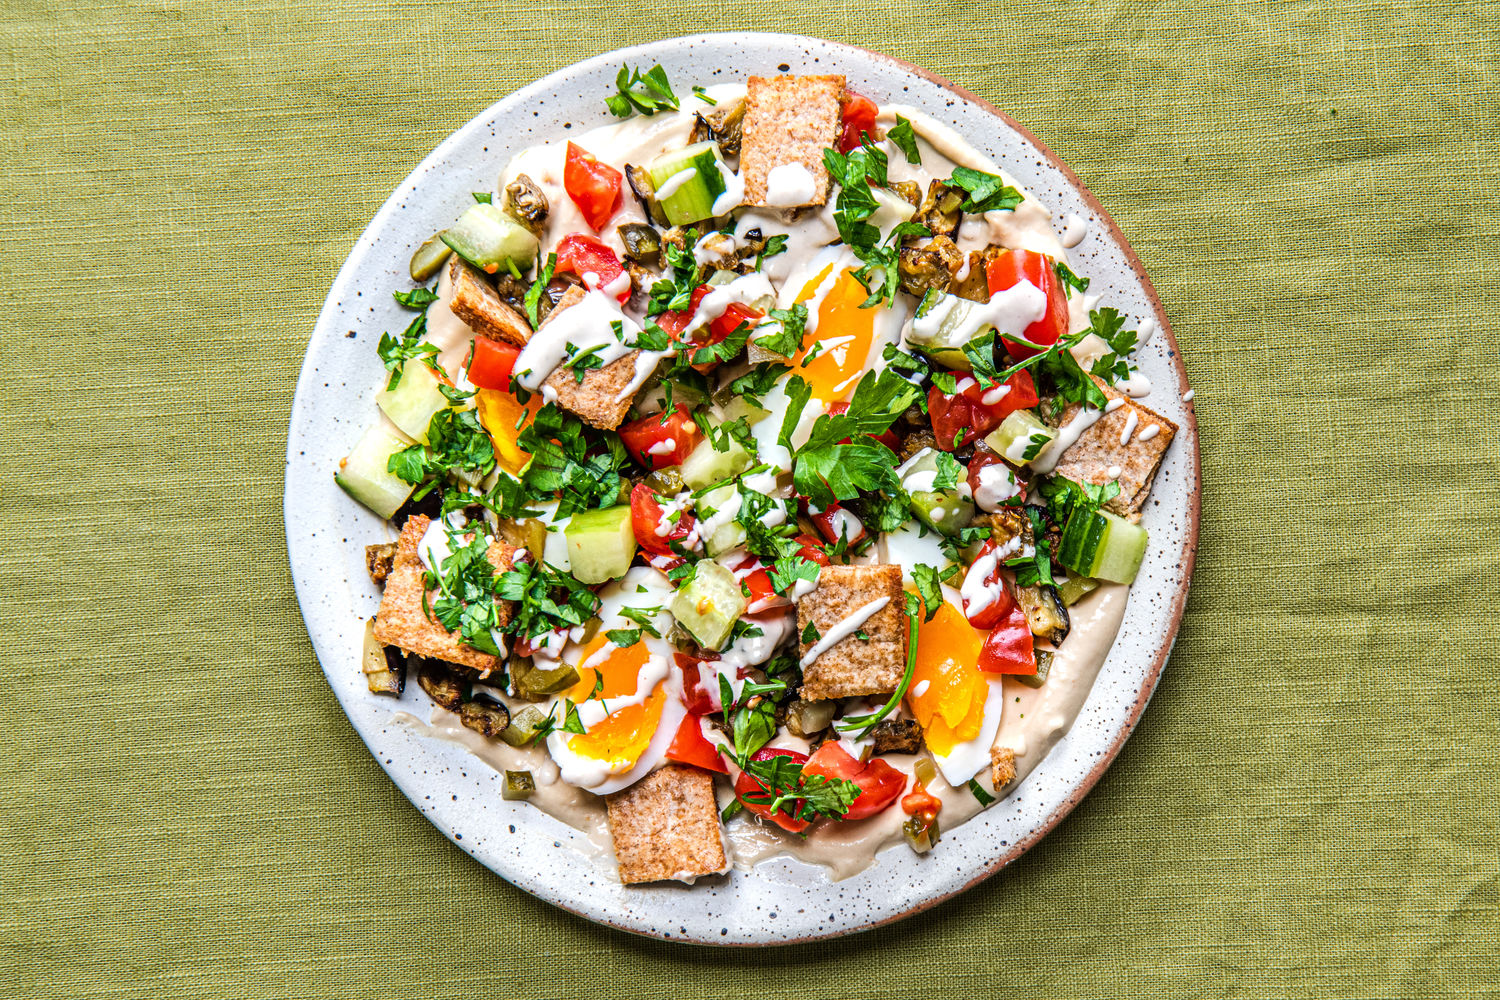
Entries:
{"x":842,"y":339}
{"x":956,"y":703}
{"x":628,"y":698}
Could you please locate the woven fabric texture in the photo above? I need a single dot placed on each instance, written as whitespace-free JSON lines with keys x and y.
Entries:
{"x":1309,"y":807}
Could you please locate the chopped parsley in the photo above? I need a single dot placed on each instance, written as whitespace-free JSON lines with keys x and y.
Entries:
{"x":904,"y":138}
{"x":646,"y":93}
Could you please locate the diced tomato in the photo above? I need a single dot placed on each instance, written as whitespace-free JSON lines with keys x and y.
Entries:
{"x":659,"y":441}
{"x":960,"y":419}
{"x":1009,"y":648}
{"x":581,"y":254}
{"x":879,"y":783}
{"x":982,"y":459}
{"x":1014,"y":266}
{"x":690,"y":746}
{"x":859,"y":118}
{"x":665,"y":563}
{"x":888,"y":438}
{"x":718,"y":329}
{"x":593,"y":186}
{"x":646,"y":516}
{"x":695,"y":693}
{"x":811,"y":550}
{"x":991,"y":614}
{"x":492,"y":363}
{"x":746,"y":785}
{"x":758,"y":581}
{"x":835,"y":522}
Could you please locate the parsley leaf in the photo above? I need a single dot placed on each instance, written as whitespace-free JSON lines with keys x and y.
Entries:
{"x":673,"y":292}
{"x":702,"y":95}
{"x":987,"y":192}
{"x":647,"y":92}
{"x":582,"y":362}
{"x":457,"y":443}
{"x":534,"y":293}
{"x":394,"y":353}
{"x":790,"y":325}
{"x":810,"y":634}
{"x":483,"y":197}
{"x":905,"y":139}
{"x":981,"y":354}
{"x":580,"y":465}
{"x":798,"y":392}
{"x":1068,"y":278}
{"x":417,"y":298}
{"x":623,"y":637}
{"x":545,"y":599}
{"x":774,"y":245}
{"x":758,"y":381}
{"x":786,"y":573}
{"x":929,"y":586}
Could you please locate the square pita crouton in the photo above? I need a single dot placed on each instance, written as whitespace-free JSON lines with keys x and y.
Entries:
{"x":401,"y":620}
{"x":789,"y":119}
{"x":476,"y":302}
{"x":852,"y":665}
{"x":596,"y":400}
{"x":666,"y":826}
{"x":1098,"y":451}
{"x":1002,"y":766}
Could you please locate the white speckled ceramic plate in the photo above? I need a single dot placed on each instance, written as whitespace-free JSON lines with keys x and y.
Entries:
{"x":782,"y":900}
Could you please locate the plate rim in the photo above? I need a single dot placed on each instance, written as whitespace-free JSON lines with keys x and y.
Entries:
{"x":1191,"y":472}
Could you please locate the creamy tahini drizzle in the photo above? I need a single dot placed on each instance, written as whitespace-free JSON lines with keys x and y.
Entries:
{"x":1033,"y":719}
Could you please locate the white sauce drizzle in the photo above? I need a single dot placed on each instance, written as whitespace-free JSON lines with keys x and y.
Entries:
{"x":1149,"y":433}
{"x":843,"y":630}
{"x":1077,"y":228}
{"x":673,"y":184}
{"x":790,"y":185}
{"x":1131,"y":419}
{"x":1067,"y":436}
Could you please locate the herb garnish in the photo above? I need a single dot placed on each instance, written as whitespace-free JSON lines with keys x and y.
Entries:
{"x":646,"y":93}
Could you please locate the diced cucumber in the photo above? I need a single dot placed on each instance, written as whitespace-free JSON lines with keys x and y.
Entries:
{"x":691,"y":198}
{"x":942,"y":331}
{"x":1036,"y":680}
{"x":718,"y":508}
{"x":601,"y":544}
{"x":944,"y":511}
{"x":523,"y":726}
{"x":1102,"y":545}
{"x":1075,"y":588}
{"x":709,"y":605}
{"x":364,"y":476}
{"x":413,"y":402}
{"x":519,"y":786}
{"x":740,"y":406}
{"x":705,"y":465}
{"x":1020,"y":437}
{"x":532,"y":682}
{"x":491,"y":240}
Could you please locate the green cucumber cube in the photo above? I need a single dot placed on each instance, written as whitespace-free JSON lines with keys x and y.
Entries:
{"x":705,"y":465}
{"x":709,"y":604}
{"x":601,"y":544}
{"x":415,"y":400}
{"x":688,"y":182}
{"x":491,"y":240}
{"x":1020,"y":437}
{"x":364,"y":474}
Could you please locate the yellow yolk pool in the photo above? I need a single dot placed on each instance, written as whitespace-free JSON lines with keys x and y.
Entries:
{"x":948,"y":691}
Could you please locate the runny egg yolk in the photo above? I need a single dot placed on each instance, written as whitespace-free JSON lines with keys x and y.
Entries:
{"x":950,"y":706}
{"x":623,"y":735}
{"x":848,"y":328}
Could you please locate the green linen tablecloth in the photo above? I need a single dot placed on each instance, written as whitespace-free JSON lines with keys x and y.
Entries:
{"x":1309,"y":805}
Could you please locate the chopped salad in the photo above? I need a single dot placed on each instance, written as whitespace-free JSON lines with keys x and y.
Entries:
{"x":743,"y":453}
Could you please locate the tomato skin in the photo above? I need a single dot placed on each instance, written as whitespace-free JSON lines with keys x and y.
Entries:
{"x":859,"y":117}
{"x":1015,"y":266}
{"x":645,"y":515}
{"x":960,"y":419}
{"x":581,"y":254}
{"x":492,"y":364}
{"x":811,"y":550}
{"x":640,"y":436}
{"x":1009,"y":648}
{"x":997,"y":610}
{"x":690,"y":746}
{"x":887,"y":438}
{"x":695,"y":694}
{"x":879,"y":783}
{"x":593,"y":186}
{"x":834,"y":521}
{"x":746,"y":785}
{"x":757,"y":579}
